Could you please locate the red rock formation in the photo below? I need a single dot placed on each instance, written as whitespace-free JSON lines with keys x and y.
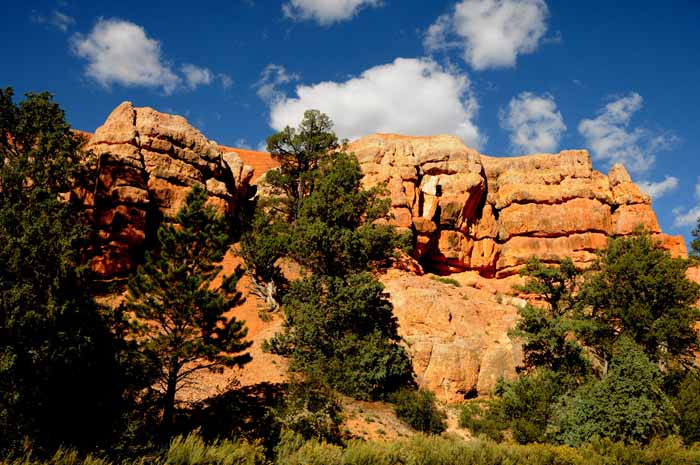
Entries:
{"x":148,"y":162}
{"x":473,"y":212}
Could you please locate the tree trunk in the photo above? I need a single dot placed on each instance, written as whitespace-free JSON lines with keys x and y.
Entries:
{"x":169,"y":400}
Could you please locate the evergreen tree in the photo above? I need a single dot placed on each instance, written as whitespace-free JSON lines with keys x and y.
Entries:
{"x":695,"y":243}
{"x":299,"y":153}
{"x":341,"y":330}
{"x":548,"y":330}
{"x":339,"y":326}
{"x":628,"y":404}
{"x":181,"y":316}
{"x":637,"y":289}
{"x":61,"y":381}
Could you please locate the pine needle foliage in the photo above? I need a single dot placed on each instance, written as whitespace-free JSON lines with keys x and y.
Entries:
{"x":180,"y":314}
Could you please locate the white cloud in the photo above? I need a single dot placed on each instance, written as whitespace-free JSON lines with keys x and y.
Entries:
{"x":534,"y":123}
{"x":691,"y":216}
{"x":492,"y":32}
{"x":56,"y":19}
{"x":407,"y":96}
{"x":686,"y":218}
{"x":325,"y":12}
{"x":120,"y":52}
{"x":226,"y":80}
{"x":659,"y":188}
{"x":271,"y":78}
{"x":613,"y":141}
{"x":196,"y":76}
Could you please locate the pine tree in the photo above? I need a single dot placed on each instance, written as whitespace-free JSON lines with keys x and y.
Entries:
{"x":181,"y":317}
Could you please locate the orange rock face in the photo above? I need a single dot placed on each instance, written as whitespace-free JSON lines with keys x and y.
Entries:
{"x":457,"y":337}
{"x":473,"y":212}
{"x":148,"y":162}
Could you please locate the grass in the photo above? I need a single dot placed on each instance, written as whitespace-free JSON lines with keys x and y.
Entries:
{"x":443,"y":280}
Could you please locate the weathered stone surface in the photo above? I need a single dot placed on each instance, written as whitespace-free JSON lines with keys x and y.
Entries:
{"x":148,"y":163}
{"x":544,"y":220}
{"x":549,"y":205}
{"x":437,"y":178}
{"x":580,"y":248}
{"x":629,"y":217}
{"x":457,"y":337}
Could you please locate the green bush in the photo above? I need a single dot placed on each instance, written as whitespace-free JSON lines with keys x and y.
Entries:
{"x":450,"y":281}
{"x":628,"y":404}
{"x":687,"y":404}
{"x":418,"y":409}
{"x":479,"y":420}
{"x":311,"y":410}
{"x":526,"y":405}
{"x":192,"y":450}
{"x":419,"y":449}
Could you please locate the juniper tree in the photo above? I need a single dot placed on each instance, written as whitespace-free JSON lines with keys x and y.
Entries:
{"x":636,"y":289}
{"x":181,"y":315}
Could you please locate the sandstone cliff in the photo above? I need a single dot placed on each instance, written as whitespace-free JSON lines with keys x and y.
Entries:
{"x":473,"y":212}
{"x":148,"y":162}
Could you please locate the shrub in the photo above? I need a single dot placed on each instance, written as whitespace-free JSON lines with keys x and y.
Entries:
{"x":479,"y":420}
{"x":311,"y":410}
{"x":450,"y":281}
{"x":628,"y":404}
{"x":418,"y":409}
{"x":687,"y":404}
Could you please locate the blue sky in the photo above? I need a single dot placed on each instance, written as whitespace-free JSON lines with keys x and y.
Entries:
{"x":508,"y":76}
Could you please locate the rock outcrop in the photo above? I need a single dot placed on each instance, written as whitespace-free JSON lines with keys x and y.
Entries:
{"x":457,"y":337}
{"x":474,"y":212}
{"x":147,"y":163}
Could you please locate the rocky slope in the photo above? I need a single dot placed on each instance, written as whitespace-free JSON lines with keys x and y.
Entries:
{"x":148,"y":162}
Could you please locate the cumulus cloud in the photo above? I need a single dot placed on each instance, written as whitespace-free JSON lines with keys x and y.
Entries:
{"x":325,"y":12}
{"x":659,"y":188}
{"x":120,"y":52}
{"x":534,"y":123}
{"x":196,"y":76}
{"x":56,"y":19}
{"x":688,"y":217}
{"x":612,"y":140}
{"x":407,"y":96}
{"x":492,"y":33}
{"x":271,"y":78}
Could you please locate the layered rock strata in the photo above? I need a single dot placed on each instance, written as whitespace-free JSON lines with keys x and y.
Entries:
{"x":147,"y":163}
{"x":474,"y":212}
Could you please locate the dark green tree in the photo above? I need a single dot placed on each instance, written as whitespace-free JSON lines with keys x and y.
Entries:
{"x":341,"y":330}
{"x":687,"y":404}
{"x":637,"y":289}
{"x":695,"y":243}
{"x":180,"y":312}
{"x":299,"y":153}
{"x":548,"y":330}
{"x":337,"y":232}
{"x":628,"y":404}
{"x":60,"y":376}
